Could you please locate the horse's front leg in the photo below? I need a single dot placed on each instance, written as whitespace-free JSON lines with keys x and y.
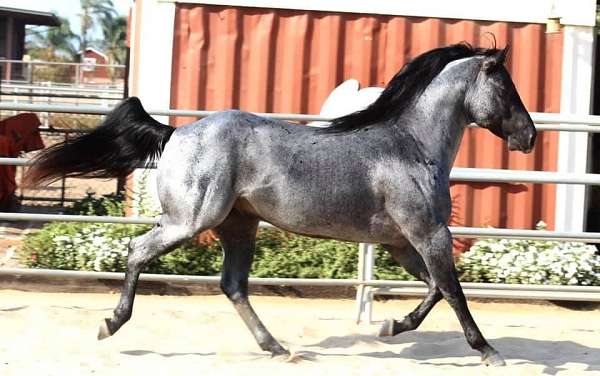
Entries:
{"x":434,"y":243}
{"x":237,"y":235}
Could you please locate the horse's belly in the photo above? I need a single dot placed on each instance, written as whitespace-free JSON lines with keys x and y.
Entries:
{"x":349,"y":221}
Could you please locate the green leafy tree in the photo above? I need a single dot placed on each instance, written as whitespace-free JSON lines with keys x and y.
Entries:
{"x":115,"y":33}
{"x":59,"y":42}
{"x":94,"y":12}
{"x":62,"y":44}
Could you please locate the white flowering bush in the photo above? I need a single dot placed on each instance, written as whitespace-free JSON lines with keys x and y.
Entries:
{"x":531,"y":262}
{"x":91,"y":248}
{"x":88,"y":246}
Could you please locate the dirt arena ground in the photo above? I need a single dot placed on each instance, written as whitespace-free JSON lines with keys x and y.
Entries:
{"x":55,"y":334}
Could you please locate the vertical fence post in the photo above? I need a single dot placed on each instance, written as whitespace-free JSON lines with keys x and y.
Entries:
{"x":63,"y":180}
{"x":29,"y":73}
{"x":369,"y":274}
{"x":7,"y":72}
{"x":77,"y":74}
{"x":361,"y":278}
{"x":364,"y":298}
{"x":30,"y":79}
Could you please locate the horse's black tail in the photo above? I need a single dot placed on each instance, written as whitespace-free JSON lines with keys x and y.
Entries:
{"x":128,"y":138}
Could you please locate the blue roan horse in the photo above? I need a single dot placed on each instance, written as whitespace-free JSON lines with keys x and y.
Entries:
{"x":377,"y":176}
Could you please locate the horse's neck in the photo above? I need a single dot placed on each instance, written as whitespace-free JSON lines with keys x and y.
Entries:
{"x":437,"y":121}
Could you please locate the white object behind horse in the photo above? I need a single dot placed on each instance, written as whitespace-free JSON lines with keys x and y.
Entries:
{"x":346,"y":99}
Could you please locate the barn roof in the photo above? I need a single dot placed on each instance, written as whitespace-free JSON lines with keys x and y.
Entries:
{"x":30,"y":16}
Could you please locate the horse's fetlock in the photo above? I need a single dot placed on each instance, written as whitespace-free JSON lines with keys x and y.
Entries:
{"x":233,"y":293}
{"x":476,"y":341}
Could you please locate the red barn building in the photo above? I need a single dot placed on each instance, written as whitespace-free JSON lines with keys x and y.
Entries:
{"x":90,"y":72}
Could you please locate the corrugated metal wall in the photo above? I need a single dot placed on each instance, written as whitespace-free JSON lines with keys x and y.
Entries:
{"x":272,"y":60}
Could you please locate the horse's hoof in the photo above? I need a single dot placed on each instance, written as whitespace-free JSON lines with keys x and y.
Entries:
{"x":281,"y":355}
{"x":277,"y":350}
{"x":387,"y":329}
{"x":104,"y":331}
{"x":494,"y":359}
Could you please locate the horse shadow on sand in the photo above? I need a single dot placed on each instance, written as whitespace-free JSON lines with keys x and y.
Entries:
{"x":164,"y":355}
{"x":427,"y":346}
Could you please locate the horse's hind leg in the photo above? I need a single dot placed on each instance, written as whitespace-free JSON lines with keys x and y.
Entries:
{"x":413,"y":264}
{"x":182,"y":219}
{"x":142,"y":250}
{"x":238,"y":234}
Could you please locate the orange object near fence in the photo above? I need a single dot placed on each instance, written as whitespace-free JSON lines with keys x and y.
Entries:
{"x":18,"y":134}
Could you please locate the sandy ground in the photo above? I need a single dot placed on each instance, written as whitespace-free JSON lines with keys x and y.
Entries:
{"x":55,"y":334}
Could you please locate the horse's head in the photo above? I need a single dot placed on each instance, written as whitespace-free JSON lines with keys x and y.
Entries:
{"x":492,"y":102}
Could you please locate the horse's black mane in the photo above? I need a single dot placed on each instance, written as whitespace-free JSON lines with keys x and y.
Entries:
{"x":407,"y":84}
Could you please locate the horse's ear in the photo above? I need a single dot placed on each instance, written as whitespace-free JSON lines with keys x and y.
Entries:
{"x":491,"y":62}
{"x":501,"y":55}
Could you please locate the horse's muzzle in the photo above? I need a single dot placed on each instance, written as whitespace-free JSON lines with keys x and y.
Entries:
{"x":523,"y":140}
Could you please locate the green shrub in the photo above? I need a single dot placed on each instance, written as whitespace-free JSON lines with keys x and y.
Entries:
{"x":281,"y":254}
{"x":387,"y":268}
{"x":110,"y":204}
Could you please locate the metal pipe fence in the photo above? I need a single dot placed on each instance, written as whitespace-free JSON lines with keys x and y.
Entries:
{"x":27,"y":72}
{"x":366,"y":285}
{"x":457,"y":231}
{"x":405,"y":288}
{"x":33,"y":62}
{"x":17,"y":95}
{"x":464,"y":174}
{"x":544,"y":121}
{"x":97,"y":89}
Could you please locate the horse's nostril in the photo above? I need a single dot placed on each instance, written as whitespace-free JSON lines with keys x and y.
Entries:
{"x":532,"y":136}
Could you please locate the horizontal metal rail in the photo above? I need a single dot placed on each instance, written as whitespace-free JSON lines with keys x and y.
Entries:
{"x":473,"y":291}
{"x":545,"y":121}
{"x":51,"y":273}
{"x":33,"y":62}
{"x":17,"y":94}
{"x":458,"y":232}
{"x":63,"y":130}
{"x":463,"y":174}
{"x":15,"y":162}
{"x":521,"y":176}
{"x":507,"y":233}
{"x":48,"y":199}
{"x":414,"y":288}
{"x":64,"y":88}
{"x":103,"y":110}
{"x":76,"y":218}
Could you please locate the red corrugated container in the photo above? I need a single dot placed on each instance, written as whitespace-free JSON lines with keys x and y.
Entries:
{"x":272,"y":60}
